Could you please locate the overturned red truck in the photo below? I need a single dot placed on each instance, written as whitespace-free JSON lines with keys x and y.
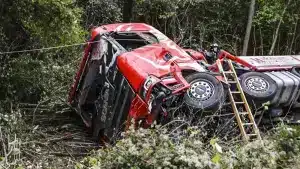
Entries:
{"x":133,"y":71}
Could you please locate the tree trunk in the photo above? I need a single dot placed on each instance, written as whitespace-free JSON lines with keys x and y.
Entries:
{"x":294,"y":35}
{"x":277,"y":29}
{"x":249,"y":26}
{"x":127,"y":10}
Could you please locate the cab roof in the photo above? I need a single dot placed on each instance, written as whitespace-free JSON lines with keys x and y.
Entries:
{"x":127,"y":27}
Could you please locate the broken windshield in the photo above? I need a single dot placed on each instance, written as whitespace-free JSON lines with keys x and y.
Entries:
{"x":134,"y":40}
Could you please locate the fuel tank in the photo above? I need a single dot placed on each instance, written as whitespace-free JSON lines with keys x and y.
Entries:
{"x":288,"y":88}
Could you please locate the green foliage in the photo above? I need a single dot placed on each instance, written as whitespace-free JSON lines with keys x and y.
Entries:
{"x":196,"y":23}
{"x":35,"y":76}
{"x":40,"y":79}
{"x":268,"y":15}
{"x":160,"y":9}
{"x":155,"y":148}
{"x":289,"y":140}
{"x":269,"y":12}
{"x":43,"y":22}
{"x":255,"y":155}
{"x":152,"y":148}
{"x":100,"y":12}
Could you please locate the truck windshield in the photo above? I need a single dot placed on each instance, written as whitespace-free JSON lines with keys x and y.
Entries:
{"x":134,"y":40}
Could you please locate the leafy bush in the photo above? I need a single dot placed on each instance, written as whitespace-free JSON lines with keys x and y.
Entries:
{"x":39,"y":75}
{"x":40,"y":79}
{"x":155,"y":148}
{"x":96,"y":12}
{"x":152,"y":148}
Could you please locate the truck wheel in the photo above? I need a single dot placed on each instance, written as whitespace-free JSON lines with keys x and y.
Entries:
{"x":258,"y":86}
{"x":206,"y":92}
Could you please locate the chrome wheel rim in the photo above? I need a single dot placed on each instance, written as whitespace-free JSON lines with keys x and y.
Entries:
{"x":257,"y":84}
{"x":201,"y":90}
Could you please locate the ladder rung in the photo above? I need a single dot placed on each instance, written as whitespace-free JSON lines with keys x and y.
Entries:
{"x":232,"y":81}
{"x":239,"y":102}
{"x":243,"y":113}
{"x":247,"y":124}
{"x":251,"y":134}
{"x":236,"y":92}
{"x":228,"y":72}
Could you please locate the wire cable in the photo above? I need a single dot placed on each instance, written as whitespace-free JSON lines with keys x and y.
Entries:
{"x":47,"y":48}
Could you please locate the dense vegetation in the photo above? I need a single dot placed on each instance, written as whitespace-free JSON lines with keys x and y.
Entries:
{"x":43,"y":77}
{"x":281,"y":150}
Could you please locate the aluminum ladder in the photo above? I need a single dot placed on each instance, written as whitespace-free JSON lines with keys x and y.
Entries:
{"x":241,"y":109}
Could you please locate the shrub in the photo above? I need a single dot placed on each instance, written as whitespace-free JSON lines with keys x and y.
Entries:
{"x":155,"y":148}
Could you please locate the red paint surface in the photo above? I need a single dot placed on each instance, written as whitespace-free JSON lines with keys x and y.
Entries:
{"x":196,"y":55}
{"x":148,"y":60}
{"x":138,"y":64}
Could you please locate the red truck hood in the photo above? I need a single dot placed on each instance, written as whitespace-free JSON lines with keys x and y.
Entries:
{"x":138,"y":64}
{"x":151,"y":58}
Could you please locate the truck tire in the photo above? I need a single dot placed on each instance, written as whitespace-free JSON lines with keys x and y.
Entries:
{"x":206,"y":92}
{"x":258,"y":86}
